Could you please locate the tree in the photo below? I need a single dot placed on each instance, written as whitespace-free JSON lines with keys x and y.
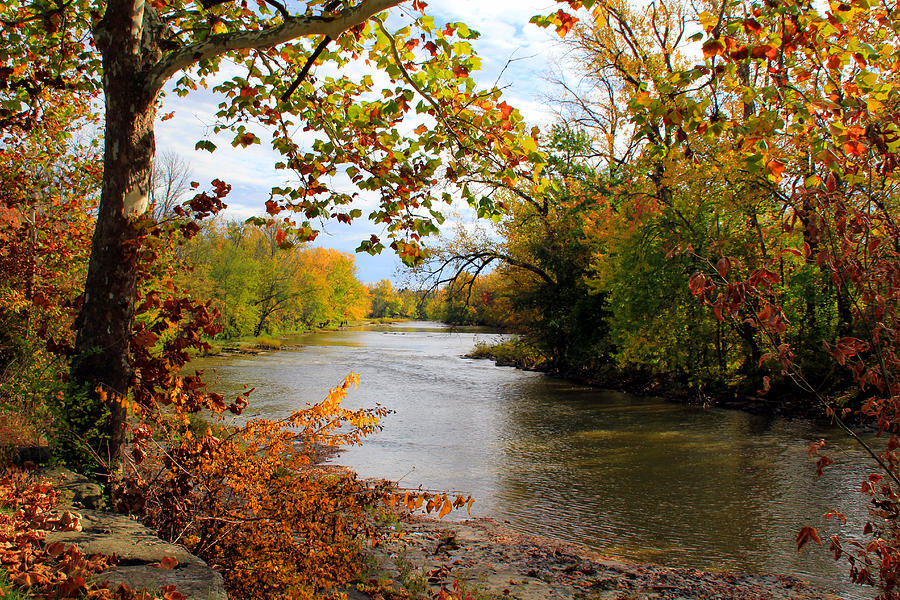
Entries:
{"x":170,"y":183}
{"x":130,"y":49}
{"x":386,"y":302}
{"x":50,"y":177}
{"x":544,"y":252}
{"x":803,"y":99}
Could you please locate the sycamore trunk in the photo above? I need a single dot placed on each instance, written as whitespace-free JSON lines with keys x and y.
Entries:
{"x":101,"y":370}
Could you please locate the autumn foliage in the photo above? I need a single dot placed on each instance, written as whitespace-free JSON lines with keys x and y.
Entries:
{"x":52,"y":570}
{"x":246,"y":499}
{"x":50,"y":175}
{"x":786,"y":126}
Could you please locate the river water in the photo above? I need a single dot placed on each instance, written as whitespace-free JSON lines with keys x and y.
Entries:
{"x":636,"y":478}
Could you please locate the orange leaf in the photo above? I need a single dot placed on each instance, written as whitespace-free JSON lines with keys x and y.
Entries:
{"x":167,"y":563}
{"x":854,"y":148}
{"x":445,"y":509}
{"x":776,"y":167}
{"x":169,"y":593}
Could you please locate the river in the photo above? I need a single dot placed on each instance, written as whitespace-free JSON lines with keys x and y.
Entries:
{"x":636,"y":478}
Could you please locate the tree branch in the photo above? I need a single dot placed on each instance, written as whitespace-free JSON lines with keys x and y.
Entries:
{"x":290,"y":29}
{"x":305,"y":70}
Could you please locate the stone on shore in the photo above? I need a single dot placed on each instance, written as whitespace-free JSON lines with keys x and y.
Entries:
{"x":139,"y":554}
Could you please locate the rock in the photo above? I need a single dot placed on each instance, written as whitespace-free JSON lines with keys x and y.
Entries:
{"x":492,"y":560}
{"x":138,"y":551}
{"x":77,"y":490}
{"x":23,"y":455}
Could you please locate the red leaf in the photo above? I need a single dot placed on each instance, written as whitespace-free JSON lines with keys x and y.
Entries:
{"x":752,"y":26}
{"x":144,"y":338}
{"x":764,"y":51}
{"x":815,"y":447}
{"x":723,"y":266}
{"x":767,"y":385}
{"x":823,"y":462}
{"x":833,"y":514}
{"x":272,"y":207}
{"x":565,"y":22}
{"x":806,"y":534}
{"x":712,"y":48}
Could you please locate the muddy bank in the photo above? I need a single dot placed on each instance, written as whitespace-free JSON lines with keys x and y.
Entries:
{"x":489,"y":560}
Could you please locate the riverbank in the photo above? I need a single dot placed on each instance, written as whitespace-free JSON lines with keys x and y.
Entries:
{"x":489,"y":560}
{"x":267,"y":343}
{"x":414,"y":558}
{"x":515,"y":354}
{"x":641,"y":479}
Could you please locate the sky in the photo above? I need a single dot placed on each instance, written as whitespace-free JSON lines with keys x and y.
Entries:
{"x":517,"y":54}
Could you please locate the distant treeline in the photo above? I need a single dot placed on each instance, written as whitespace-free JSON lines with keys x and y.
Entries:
{"x":261,"y":283}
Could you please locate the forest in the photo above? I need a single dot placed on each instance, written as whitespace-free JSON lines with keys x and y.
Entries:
{"x":710,"y":217}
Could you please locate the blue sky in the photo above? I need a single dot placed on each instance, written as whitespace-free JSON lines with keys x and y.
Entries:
{"x":505,"y":34}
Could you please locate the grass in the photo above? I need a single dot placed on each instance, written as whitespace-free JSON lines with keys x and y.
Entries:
{"x":413,"y":579}
{"x":8,"y":591}
{"x":267,"y":343}
{"x":514,"y":352}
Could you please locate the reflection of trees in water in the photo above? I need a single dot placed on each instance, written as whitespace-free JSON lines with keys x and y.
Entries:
{"x":702,"y":488}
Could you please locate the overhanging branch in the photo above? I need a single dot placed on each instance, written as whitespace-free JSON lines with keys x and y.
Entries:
{"x":290,"y":29}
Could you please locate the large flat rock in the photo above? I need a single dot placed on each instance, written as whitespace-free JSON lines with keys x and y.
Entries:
{"x":137,"y":549}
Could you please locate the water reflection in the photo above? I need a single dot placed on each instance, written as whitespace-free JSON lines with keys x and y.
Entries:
{"x":637,"y":478}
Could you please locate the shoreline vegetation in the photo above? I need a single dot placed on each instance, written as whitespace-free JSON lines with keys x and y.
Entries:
{"x":518,"y":353}
{"x":269,"y":343}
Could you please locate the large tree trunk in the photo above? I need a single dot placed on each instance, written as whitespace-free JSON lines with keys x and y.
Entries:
{"x":101,"y":370}
{"x":134,"y":70}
